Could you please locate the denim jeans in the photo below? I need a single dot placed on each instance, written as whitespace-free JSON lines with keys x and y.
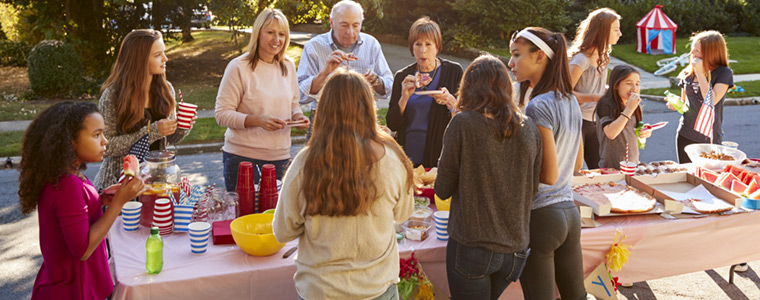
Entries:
{"x":390,"y":294}
{"x":231,"y":162}
{"x":477,"y":273}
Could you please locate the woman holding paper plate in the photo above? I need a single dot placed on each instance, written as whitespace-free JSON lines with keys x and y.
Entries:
{"x":422,"y":100}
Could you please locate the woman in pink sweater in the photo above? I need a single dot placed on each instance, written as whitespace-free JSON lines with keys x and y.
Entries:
{"x":57,"y":146}
{"x":257,"y":98}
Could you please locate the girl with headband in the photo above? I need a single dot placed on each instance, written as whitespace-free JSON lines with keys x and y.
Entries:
{"x":590,"y":56}
{"x":540,"y":65}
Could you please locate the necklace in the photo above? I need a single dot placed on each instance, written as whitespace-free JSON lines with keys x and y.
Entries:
{"x":432,"y":75}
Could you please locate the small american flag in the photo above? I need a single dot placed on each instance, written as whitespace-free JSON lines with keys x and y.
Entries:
{"x":706,"y":116}
{"x":139,"y":150}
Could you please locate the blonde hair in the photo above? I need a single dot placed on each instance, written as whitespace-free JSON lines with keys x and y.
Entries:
{"x":594,"y":34}
{"x":343,"y":132}
{"x":267,"y":16}
{"x":128,"y":81}
{"x":425,"y":28}
{"x":714,"y":52}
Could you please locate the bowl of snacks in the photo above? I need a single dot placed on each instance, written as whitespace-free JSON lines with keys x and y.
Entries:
{"x":253,"y":234}
{"x":421,"y":213}
{"x":424,"y":180}
{"x":416,"y":230}
{"x":713,"y":156}
{"x":421,"y":201}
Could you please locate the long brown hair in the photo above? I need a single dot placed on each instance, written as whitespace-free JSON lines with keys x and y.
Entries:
{"x":714,"y":52}
{"x":267,"y":16}
{"x":48,"y":149}
{"x":556,"y":76}
{"x":487,"y":88}
{"x":339,"y":161}
{"x":128,"y":80}
{"x":593,"y":35}
{"x":618,"y":74}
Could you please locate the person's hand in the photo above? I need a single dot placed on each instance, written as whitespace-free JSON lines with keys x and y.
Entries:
{"x":669,"y":106}
{"x":192,"y":121}
{"x":407,"y":86}
{"x":645,"y":133}
{"x":697,"y":65}
{"x":334,"y":60}
{"x":370,"y":76}
{"x":130,"y":188}
{"x":633,"y":102}
{"x":445,"y":99}
{"x":384,"y":129}
{"x":106,"y":195}
{"x":270,"y":123}
{"x":166,"y":127}
{"x":298,"y":117}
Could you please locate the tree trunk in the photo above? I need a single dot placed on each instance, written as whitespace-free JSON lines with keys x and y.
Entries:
{"x":187,"y":35}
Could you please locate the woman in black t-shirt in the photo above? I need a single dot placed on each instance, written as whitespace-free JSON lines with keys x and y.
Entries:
{"x":708,"y":71}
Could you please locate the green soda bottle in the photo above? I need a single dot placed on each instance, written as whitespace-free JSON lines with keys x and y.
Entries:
{"x":154,"y":254}
{"x":676,"y":102}
{"x":640,"y":140}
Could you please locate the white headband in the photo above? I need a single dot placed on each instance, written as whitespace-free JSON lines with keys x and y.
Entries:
{"x":537,"y":41}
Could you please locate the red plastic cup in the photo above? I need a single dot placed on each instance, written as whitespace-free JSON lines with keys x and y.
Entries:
{"x":185,"y":115}
{"x":628,"y":167}
{"x":268,"y":195}
{"x":245,"y":189}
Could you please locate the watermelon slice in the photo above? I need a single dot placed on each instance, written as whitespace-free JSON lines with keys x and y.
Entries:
{"x":698,"y":172}
{"x":738,"y":187}
{"x":736,"y":170}
{"x":708,"y":175}
{"x":752,"y":187}
{"x":726,"y":180}
{"x":131,"y":165}
{"x":755,"y":195}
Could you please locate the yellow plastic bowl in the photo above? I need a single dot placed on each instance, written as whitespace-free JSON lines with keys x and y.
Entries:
{"x":443,"y":205}
{"x":253,"y":234}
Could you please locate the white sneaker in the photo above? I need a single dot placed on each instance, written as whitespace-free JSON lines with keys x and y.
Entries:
{"x":742,"y":267}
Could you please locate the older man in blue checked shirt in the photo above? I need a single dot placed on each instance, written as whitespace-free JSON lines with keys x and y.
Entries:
{"x":344,"y":45}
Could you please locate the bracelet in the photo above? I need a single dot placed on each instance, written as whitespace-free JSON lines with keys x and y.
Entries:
{"x":627,"y":117}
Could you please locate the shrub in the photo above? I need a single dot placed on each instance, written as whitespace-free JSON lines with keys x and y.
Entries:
{"x":13,"y":54}
{"x":750,"y":18}
{"x":54,"y":69}
{"x":491,"y":22}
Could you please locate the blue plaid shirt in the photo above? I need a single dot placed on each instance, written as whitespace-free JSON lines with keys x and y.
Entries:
{"x":315,"y":52}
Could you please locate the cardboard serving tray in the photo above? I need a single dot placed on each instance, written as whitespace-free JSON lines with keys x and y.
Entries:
{"x":604,"y":210}
{"x":682,"y":183}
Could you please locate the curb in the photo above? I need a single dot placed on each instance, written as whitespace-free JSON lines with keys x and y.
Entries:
{"x":194,"y":148}
{"x":728,"y":101}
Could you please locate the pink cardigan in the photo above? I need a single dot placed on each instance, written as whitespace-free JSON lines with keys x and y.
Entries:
{"x":66,"y":211}
{"x":261,"y":92}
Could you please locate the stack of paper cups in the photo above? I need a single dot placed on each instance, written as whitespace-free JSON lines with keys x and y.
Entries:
{"x":199,"y":234}
{"x":163,"y":216}
{"x":186,"y":114}
{"x":182,"y":216}
{"x":441,"y":224}
{"x":130,"y":215}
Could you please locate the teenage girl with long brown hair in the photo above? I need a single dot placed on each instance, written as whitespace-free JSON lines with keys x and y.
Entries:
{"x":589,"y":61}
{"x":136,"y":94}
{"x":708,"y":72}
{"x":342,"y":194}
{"x":483,"y":148}
{"x":539,"y":61}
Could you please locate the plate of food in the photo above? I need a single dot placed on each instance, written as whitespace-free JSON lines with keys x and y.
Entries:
{"x":424,"y":180}
{"x":295,"y":123}
{"x":432,"y":92}
{"x":713,"y":156}
{"x":659,"y":167}
{"x":612,"y":198}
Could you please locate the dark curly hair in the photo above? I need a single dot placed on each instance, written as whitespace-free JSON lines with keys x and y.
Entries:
{"x":48,"y":150}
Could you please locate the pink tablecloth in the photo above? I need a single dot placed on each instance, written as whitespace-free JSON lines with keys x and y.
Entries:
{"x":661,"y":248}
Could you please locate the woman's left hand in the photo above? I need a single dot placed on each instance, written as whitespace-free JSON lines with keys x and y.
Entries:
{"x":445,"y":99}
{"x":298,"y":117}
{"x":645,"y":133}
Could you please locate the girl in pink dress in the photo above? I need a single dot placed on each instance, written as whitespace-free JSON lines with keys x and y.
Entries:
{"x":73,"y":226}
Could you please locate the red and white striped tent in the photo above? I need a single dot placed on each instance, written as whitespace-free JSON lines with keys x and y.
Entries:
{"x":656,"y":33}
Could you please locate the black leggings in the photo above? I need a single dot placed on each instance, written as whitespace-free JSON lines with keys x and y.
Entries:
{"x":590,"y":144}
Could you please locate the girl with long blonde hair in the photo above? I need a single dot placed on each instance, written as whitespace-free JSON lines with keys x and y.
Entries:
{"x":137,"y":95}
{"x":341,"y":196}
{"x":708,"y":74}
{"x":257,"y":98}
{"x":589,"y":61}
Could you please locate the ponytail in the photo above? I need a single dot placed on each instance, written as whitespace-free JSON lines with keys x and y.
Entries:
{"x":556,"y":77}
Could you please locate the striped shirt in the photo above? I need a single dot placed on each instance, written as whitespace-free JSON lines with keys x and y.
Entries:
{"x":314,"y":56}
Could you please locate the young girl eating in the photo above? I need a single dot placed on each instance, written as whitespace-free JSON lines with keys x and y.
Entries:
{"x":57,"y":146}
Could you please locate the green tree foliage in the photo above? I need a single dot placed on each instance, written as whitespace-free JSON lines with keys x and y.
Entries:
{"x":306,"y":11}
{"x":13,"y":53}
{"x":54,"y":69}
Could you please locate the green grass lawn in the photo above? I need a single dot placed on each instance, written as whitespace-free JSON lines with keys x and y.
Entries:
{"x":743,"y":49}
{"x":10,"y":143}
{"x":752,"y":89}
